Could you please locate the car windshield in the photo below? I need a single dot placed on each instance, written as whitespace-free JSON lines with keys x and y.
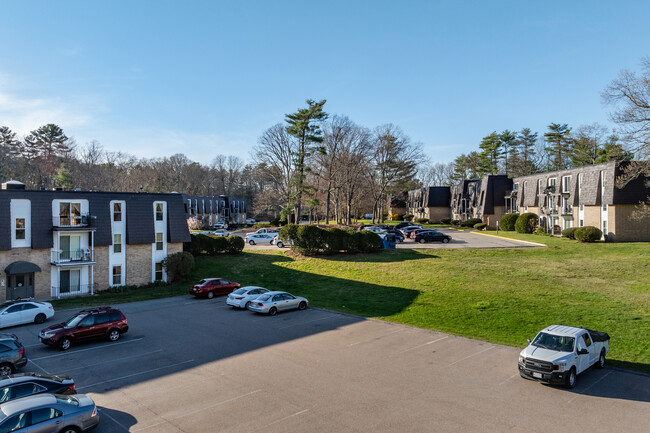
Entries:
{"x":74,"y":320}
{"x":554,"y":342}
{"x":239,"y":291}
{"x":202,"y":282}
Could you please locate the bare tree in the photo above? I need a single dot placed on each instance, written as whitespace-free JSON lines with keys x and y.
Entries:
{"x":437,"y":174}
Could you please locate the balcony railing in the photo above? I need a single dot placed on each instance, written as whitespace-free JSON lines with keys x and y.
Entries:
{"x":567,"y":210}
{"x":83,"y":220}
{"x":70,"y":291}
{"x":78,"y":256}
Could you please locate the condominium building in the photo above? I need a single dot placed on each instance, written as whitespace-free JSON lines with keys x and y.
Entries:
{"x":583,"y":196}
{"x":480,"y":198}
{"x":57,"y":244}
{"x":430,"y":202}
{"x":212,"y":209}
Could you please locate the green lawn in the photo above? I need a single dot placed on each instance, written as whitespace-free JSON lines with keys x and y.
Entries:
{"x":497,"y":295}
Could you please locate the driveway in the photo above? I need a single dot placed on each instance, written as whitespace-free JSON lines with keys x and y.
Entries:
{"x":195,"y":365}
{"x":469,"y":239}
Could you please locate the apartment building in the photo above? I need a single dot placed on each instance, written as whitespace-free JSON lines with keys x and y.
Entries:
{"x":56,"y":244}
{"x":480,"y":198}
{"x":583,"y":196}
{"x":397,"y":203}
{"x":432,"y":202}
{"x":212,"y":209}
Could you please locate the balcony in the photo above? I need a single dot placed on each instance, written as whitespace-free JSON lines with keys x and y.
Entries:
{"x":511,"y":194}
{"x":71,"y":258}
{"x":72,"y":221}
{"x":72,"y":291}
{"x":567,"y":211}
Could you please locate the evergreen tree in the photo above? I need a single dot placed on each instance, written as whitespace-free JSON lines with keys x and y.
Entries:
{"x":523,"y":161}
{"x":491,"y":152}
{"x":613,"y":151}
{"x":63,"y":178}
{"x":510,"y":145}
{"x":9,"y":150}
{"x":559,"y":140}
{"x":305,"y":126}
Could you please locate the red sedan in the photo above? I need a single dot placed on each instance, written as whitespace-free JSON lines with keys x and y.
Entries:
{"x":208,"y":287}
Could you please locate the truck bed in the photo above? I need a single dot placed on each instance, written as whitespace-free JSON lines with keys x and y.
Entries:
{"x":598,"y":335}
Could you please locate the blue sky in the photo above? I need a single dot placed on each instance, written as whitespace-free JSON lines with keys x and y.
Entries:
{"x":154,"y":78}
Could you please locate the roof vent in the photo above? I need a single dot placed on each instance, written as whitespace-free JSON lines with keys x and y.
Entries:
{"x":13,"y":184}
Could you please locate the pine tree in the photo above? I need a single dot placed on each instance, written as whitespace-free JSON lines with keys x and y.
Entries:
{"x":491,"y":153}
{"x":44,"y":146}
{"x":510,"y":146}
{"x":523,"y":163}
{"x":9,"y":150}
{"x":559,"y":141}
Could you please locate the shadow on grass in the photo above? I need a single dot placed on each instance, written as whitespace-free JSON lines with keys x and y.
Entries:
{"x":385,"y":256}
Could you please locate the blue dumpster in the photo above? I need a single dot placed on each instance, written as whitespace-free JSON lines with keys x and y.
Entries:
{"x":388,"y":241}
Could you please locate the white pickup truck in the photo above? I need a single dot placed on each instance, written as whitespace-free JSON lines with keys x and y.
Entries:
{"x":559,"y":353}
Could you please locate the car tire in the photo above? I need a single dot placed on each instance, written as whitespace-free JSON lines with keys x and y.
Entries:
{"x":445,"y":240}
{"x":302,"y":305}
{"x":246,"y":305}
{"x":601,"y":360}
{"x":571,"y":379}
{"x":251,"y":242}
{"x":280,"y":245}
{"x":70,"y":430}
{"x":65,"y":343}
{"x":422,"y":241}
{"x":40,"y":318}
{"x":273,"y":311}
{"x":6,"y":369}
{"x":210,"y":295}
{"x":113,"y":335}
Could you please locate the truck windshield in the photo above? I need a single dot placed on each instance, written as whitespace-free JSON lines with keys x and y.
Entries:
{"x":554,"y":342}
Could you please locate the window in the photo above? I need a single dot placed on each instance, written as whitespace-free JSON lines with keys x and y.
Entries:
{"x":88,"y":321}
{"x":20,"y":228}
{"x":45,"y":414}
{"x":605,"y":227}
{"x":117,"y":243}
{"x":69,"y":214}
{"x":27,"y":307}
{"x":102,"y":318}
{"x":117,"y":275}
{"x":540,"y":186}
{"x":515,"y":186}
{"x":14,"y":423}
{"x":587,"y":340}
{"x":25,"y":389}
{"x":4,"y":348}
{"x":277,"y":298}
{"x":525,"y":208}
{"x":159,"y":241}
{"x":566,"y":183}
{"x":159,"y":271}
{"x":579,"y":185}
{"x":117,"y":211}
{"x":581,"y":223}
{"x":582,"y":208}
{"x":159,"y":211}
{"x":14,"y":309}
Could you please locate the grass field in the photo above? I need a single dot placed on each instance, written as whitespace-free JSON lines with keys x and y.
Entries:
{"x":497,"y":295}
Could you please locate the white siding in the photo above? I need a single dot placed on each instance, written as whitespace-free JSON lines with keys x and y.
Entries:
{"x":21,"y":210}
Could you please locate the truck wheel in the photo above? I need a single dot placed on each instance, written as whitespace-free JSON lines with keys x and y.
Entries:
{"x":571,"y":378}
{"x":251,"y":242}
{"x":601,"y":360}
{"x":280,"y":244}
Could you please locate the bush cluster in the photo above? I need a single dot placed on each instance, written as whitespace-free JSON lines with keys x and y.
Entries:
{"x":213,"y":245}
{"x":526,"y":223}
{"x":178,"y":266}
{"x":408,"y":217}
{"x":455,"y":222}
{"x":311,"y":240}
{"x":480,"y":226}
{"x":471,"y":222}
{"x":569,"y":233}
{"x":261,"y":225}
{"x":508,"y":221}
{"x":588,"y":234}
{"x":445,"y":221}
{"x":396,"y":217}
{"x":422,"y":220}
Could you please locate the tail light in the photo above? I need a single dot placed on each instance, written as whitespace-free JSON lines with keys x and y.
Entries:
{"x":240,"y":298}
{"x":72,"y":388}
{"x":94,"y":411}
{"x":22,"y":351}
{"x":51,"y":307}
{"x":260,"y":304}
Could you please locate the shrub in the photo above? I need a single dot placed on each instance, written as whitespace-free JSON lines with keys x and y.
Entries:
{"x":289,"y":232}
{"x":218,"y":244}
{"x":261,"y":225}
{"x":445,"y":221}
{"x":396,"y":217}
{"x":480,"y":226}
{"x":569,"y":233}
{"x":311,"y":240}
{"x":455,"y":222}
{"x":471,"y":222}
{"x":541,"y":232}
{"x":370,"y":242}
{"x":588,"y":234}
{"x":353,"y":240}
{"x":179,"y":266}
{"x":422,"y":220}
{"x":336,"y":240}
{"x":235,"y":244}
{"x":526,"y":223}
{"x":276,"y":222}
{"x":508,"y":221}
{"x":195,"y":245}
{"x":408,"y":217}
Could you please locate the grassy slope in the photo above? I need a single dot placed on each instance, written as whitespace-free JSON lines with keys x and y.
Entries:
{"x":498,"y":295}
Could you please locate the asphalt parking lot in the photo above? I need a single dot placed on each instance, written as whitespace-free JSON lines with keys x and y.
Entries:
{"x":459,"y":239}
{"x":195,"y":365}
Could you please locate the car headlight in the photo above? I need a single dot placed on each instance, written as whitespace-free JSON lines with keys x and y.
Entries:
{"x":48,"y":334}
{"x":522,"y":360}
{"x":561,"y":366}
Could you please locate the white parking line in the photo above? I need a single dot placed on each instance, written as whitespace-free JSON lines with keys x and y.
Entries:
{"x":90,"y":348}
{"x":374,"y":338}
{"x":39,"y":367}
{"x":309,"y":321}
{"x":425,"y":344}
{"x":285,"y":418}
{"x":588,"y":388}
{"x":135,"y":374}
{"x":113,"y":360}
{"x":467,"y":357}
{"x":104,"y":413}
{"x":513,"y":376}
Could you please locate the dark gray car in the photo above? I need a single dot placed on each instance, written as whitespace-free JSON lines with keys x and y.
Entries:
{"x":49,"y":413}
{"x":12,"y":354}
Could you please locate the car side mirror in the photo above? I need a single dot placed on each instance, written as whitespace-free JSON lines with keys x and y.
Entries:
{"x":583,"y":352}
{"x":529,"y":340}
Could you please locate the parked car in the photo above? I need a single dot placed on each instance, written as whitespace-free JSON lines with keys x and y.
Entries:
{"x":49,"y":413}
{"x":89,"y":324}
{"x":12,"y":354}
{"x":272,"y":302}
{"x":399,"y":236}
{"x":24,"y":384}
{"x":431,"y":236}
{"x":242,"y":296}
{"x":373,"y":229}
{"x":250,"y":221}
{"x":259,"y":238}
{"x":209,"y":287}
{"x":401,"y":225}
{"x":220,"y":225}
{"x":19,"y":312}
{"x":281,"y":243}
{"x":406,"y":231}
{"x":558,"y":354}
{"x":221,"y":232}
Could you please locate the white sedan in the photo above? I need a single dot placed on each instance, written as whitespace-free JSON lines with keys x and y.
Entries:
{"x":241,"y":297}
{"x":259,"y":238}
{"x":221,"y":232}
{"x":272,"y":302}
{"x":19,"y":312}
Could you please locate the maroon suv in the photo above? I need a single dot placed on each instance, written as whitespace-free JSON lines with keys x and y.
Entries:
{"x":90,"y":324}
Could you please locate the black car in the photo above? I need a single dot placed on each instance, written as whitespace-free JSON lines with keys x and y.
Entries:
{"x":398,"y":234}
{"x":432,"y":236}
{"x":401,"y":225}
{"x":12,"y":354}
{"x":24,"y":384}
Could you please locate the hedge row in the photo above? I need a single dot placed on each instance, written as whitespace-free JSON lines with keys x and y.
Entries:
{"x":471,"y":222}
{"x":311,"y":240}
{"x":213,"y":245}
{"x":508,"y":221}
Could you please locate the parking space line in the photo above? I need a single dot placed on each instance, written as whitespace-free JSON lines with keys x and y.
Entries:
{"x":588,"y":388}
{"x":513,"y":376}
{"x":90,"y":348}
{"x":285,"y":418}
{"x":114,"y":360}
{"x":421,"y":345}
{"x":39,"y":367}
{"x":135,"y":374}
{"x":309,"y":321}
{"x":104,"y":413}
{"x":470,"y":356}
{"x":374,"y":338}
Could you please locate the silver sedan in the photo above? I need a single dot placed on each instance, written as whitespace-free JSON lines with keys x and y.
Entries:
{"x":49,"y":413}
{"x":272,"y":302}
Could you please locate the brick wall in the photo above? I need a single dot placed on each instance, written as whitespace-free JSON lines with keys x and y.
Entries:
{"x":592,"y":216}
{"x":625,"y":228}
{"x":435,"y":214}
{"x":102,"y":281}
{"x":40,"y":257}
{"x":138,"y":264}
